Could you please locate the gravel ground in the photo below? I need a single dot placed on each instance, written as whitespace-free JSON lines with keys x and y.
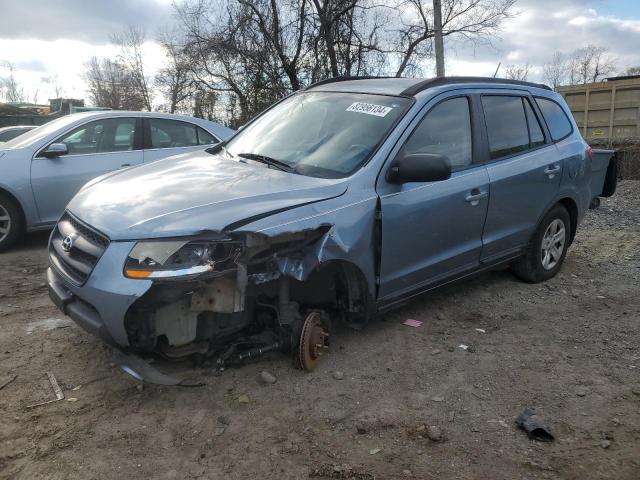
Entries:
{"x":388,"y":402}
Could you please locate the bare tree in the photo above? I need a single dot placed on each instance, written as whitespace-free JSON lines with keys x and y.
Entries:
{"x":286,"y":38}
{"x":227,"y":54}
{"x":474,"y":20}
{"x":253,"y":52}
{"x":54,"y":83}
{"x":632,"y":71}
{"x":205,"y":104}
{"x":591,"y":64}
{"x":9,"y":86}
{"x":555,"y":72}
{"x":111,"y":84}
{"x":174,"y":80}
{"x":517,"y":72}
{"x":130,"y":42}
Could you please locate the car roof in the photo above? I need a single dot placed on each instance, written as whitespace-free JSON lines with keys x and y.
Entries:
{"x":409,"y":87}
{"x":214,"y":127}
{"x":128,"y":113}
{"x":17,"y":127}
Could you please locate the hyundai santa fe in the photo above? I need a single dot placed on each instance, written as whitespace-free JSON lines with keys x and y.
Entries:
{"x":341,"y":201}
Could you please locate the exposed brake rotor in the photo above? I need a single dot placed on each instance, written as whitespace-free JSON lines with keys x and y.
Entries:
{"x":314,"y":340}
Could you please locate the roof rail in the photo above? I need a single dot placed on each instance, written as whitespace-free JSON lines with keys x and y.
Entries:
{"x":434,"y":82}
{"x":342,"y":79}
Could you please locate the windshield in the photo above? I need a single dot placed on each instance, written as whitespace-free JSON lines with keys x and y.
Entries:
{"x":320,"y":134}
{"x":40,"y":132}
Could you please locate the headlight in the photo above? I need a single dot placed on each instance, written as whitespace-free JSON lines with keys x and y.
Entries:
{"x":171,"y":259}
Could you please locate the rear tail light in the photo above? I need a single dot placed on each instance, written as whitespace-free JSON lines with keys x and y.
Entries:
{"x":589,"y":153}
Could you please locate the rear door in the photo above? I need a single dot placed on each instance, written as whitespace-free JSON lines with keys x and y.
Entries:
{"x":524,"y":170}
{"x":166,"y":137}
{"x":431,"y":231}
{"x":95,"y":148}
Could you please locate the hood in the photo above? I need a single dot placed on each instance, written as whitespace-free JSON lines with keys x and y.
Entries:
{"x":193,"y":193}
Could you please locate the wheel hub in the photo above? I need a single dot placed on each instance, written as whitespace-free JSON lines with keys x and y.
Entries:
{"x":314,"y":341}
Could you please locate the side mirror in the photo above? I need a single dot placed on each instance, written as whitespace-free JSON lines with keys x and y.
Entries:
{"x":55,"y":150}
{"x":419,"y":167}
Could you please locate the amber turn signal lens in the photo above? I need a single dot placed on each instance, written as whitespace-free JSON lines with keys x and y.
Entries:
{"x":137,"y":273}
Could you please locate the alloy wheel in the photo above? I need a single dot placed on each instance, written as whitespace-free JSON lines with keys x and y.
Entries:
{"x":553,"y":242}
{"x":5,"y":223}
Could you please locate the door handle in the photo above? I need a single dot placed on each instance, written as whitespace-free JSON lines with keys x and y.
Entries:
{"x":551,"y":170}
{"x":475,"y":196}
{"x":125,"y":165}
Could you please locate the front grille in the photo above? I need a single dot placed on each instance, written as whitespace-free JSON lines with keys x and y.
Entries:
{"x":75,"y":249}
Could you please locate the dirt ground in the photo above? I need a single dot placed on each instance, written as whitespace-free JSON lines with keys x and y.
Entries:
{"x":569,"y":348}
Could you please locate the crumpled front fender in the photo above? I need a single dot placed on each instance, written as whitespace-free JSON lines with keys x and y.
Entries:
{"x":349,"y":235}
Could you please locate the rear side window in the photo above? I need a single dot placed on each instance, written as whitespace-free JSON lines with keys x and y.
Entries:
{"x":557,"y":121}
{"x":11,"y":134}
{"x":446,"y":130}
{"x":506,"y":125}
{"x":172,"y":133}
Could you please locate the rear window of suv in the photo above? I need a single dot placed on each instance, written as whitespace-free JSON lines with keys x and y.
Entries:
{"x":557,"y":120}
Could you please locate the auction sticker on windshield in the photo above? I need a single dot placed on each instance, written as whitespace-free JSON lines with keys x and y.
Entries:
{"x":369,"y":109}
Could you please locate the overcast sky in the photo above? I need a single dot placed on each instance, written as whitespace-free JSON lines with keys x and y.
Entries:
{"x":44,"y":38}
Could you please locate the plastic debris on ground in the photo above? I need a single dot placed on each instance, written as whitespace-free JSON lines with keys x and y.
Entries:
{"x":535,"y":427}
{"x":410,"y":322}
{"x":48,"y":324}
{"x":56,"y":389}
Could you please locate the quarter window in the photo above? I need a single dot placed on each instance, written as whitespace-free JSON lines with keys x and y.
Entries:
{"x":172,"y":133}
{"x":101,"y":136}
{"x":205,"y":138}
{"x":557,"y":120}
{"x":445,"y":130}
{"x":536,"y":137}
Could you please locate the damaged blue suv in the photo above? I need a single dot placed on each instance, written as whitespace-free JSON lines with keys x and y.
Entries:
{"x":339,"y":202}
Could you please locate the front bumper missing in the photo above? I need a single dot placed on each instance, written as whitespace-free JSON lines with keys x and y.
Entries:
{"x":89,"y":319}
{"x":143,"y":371}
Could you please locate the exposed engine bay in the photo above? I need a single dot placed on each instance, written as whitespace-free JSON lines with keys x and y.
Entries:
{"x":242,"y":295}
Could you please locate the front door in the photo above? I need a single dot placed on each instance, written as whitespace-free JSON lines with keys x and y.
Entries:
{"x":94,"y":148}
{"x":431,"y":231}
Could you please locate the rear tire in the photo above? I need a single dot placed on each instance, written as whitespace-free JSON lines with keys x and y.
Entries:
{"x":547,"y":249}
{"x":11,"y":222}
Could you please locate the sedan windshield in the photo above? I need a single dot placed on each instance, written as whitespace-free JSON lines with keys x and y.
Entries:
{"x":320,"y":134}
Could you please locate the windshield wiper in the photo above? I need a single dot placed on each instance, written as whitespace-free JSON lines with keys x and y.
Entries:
{"x":285,"y":167}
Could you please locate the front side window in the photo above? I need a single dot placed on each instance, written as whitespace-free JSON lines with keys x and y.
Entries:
{"x":557,"y":121}
{"x":172,"y":133}
{"x":321,"y":134}
{"x":445,"y":130}
{"x":101,"y":136}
